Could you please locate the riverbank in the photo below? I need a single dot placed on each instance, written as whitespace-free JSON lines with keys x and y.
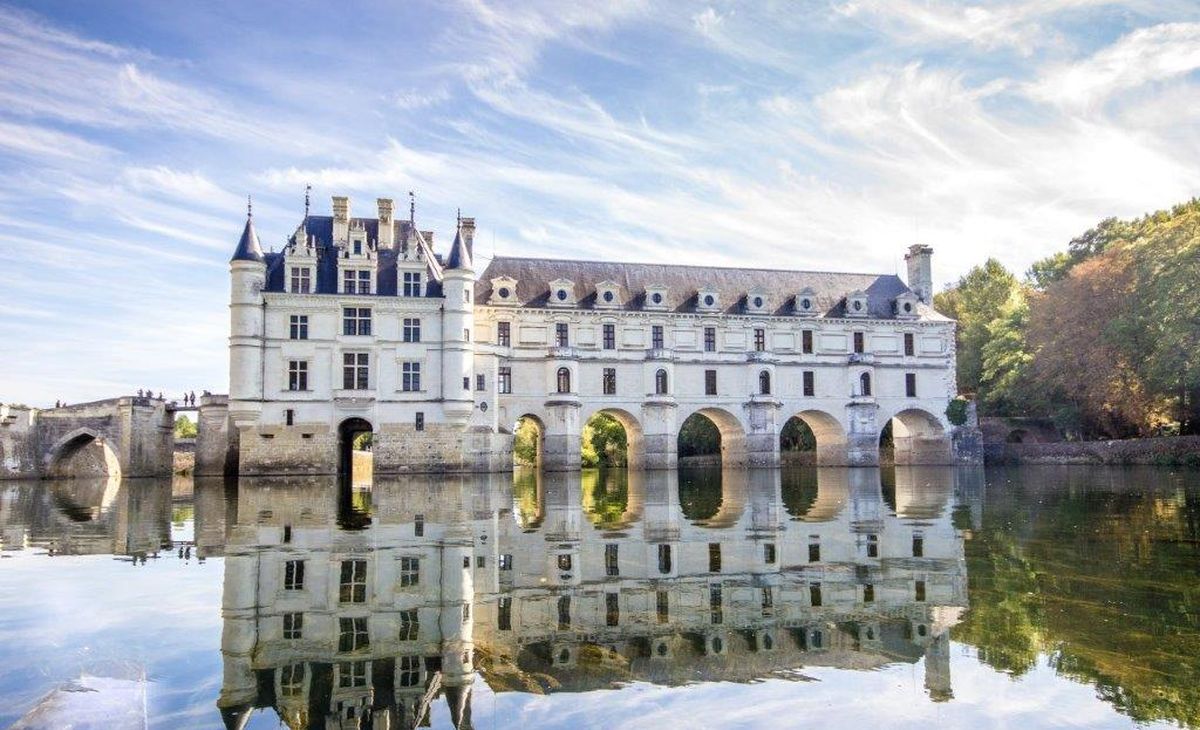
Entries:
{"x":1167,"y":451}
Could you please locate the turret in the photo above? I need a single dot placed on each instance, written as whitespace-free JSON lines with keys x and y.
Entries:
{"x":458,"y":285}
{"x":457,"y":619}
{"x":247,"y":277}
{"x":920,"y":271}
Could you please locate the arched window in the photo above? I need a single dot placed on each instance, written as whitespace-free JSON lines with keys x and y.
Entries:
{"x":564,"y":380}
{"x":864,"y":383}
{"x":764,"y":383}
{"x":660,"y":382}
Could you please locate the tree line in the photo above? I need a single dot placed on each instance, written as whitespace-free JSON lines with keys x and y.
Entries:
{"x":1104,"y":338}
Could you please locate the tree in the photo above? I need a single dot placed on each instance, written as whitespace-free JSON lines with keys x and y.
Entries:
{"x":975,"y":300}
{"x":604,"y":442}
{"x":184,"y":428}
{"x":699,"y":436}
{"x":526,"y":440}
{"x":1005,"y":359}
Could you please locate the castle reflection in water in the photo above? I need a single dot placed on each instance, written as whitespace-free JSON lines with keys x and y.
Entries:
{"x":363,"y":608}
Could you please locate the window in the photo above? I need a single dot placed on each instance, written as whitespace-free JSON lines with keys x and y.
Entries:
{"x":353,"y":585}
{"x":806,"y":341}
{"x":760,"y":340}
{"x":864,"y":384}
{"x":660,"y":382}
{"x":356,"y":321}
{"x":504,"y":333}
{"x":768,"y":601}
{"x":611,"y":565}
{"x":716,"y":609}
{"x":664,"y":559}
{"x":466,"y":335}
{"x":410,"y":376}
{"x":909,"y":347}
{"x":663,"y":606}
{"x":297,"y":375}
{"x":419,"y":525}
{"x":769,"y":553}
{"x":291,"y":680}
{"x":656,"y":336}
{"x":918,"y":545}
{"x":564,"y":561}
{"x":612,"y":609}
{"x":564,"y":380}
{"x":710,"y":382}
{"x":411,"y":331}
{"x":293,"y":575}
{"x":410,"y":625}
{"x":412,"y":284}
{"x":352,"y":634}
{"x":814,"y":594}
{"x":293,"y":625}
{"x":301,"y":280}
{"x":610,"y":381}
{"x":504,"y":380}
{"x":289,"y":417}
{"x":714,"y":557}
{"x":357,"y":246}
{"x":710,"y":339}
{"x":408,"y":671}
{"x":506,"y":561}
{"x":868,"y":593}
{"x":562,"y":334}
{"x":859,"y":342}
{"x":466,"y":382}
{"x":298,"y":329}
{"x":410,"y":572}
{"x":810,"y":387}
{"x":356,"y":282}
{"x":919,"y":591}
{"x":352,"y":674}
{"x":504,"y":614}
{"x":480,"y":381}
{"x":354,"y":371}
{"x":872,"y":546}
{"x":419,"y":421}
{"x":764,"y":383}
{"x":564,"y":613}
{"x":814,"y":548}
{"x":610,"y":337}
{"x":910,"y":385}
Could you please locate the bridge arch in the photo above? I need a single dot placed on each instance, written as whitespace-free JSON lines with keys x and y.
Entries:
{"x":828,"y":437}
{"x":529,"y":440}
{"x":83,"y":452}
{"x":732,"y":435}
{"x":919,"y":437}
{"x":634,"y":433}
{"x":349,"y":431}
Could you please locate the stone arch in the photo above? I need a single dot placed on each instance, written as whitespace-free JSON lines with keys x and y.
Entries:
{"x":348,"y":430}
{"x":919,"y":437}
{"x":733,"y":434}
{"x":634,"y":433}
{"x":829,"y":434}
{"x":83,"y":452}
{"x":711,"y":497}
{"x":539,"y":444}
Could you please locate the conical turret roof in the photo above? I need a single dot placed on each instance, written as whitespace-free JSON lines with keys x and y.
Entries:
{"x":460,"y":255}
{"x":248,"y":248}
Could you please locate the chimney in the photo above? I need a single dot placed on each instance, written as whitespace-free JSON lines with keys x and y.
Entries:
{"x":386,"y":237}
{"x":467,"y":225}
{"x":341,"y":219}
{"x":920,"y":271}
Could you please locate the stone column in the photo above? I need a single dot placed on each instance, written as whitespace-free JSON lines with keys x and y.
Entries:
{"x":659,"y":433}
{"x":762,"y":438}
{"x":215,"y":452}
{"x":862,"y":439}
{"x":560,"y":442}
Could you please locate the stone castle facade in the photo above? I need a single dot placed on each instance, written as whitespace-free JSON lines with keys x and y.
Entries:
{"x":358,"y":325}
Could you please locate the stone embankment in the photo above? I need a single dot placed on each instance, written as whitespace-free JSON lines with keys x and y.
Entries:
{"x":1167,"y":451}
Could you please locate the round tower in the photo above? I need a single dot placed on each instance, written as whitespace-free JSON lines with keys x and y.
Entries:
{"x":247,"y":278}
{"x":458,"y":288}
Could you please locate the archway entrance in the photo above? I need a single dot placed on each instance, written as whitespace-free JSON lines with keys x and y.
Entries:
{"x":918,"y":437}
{"x":711,"y":437}
{"x":812,"y":437}
{"x":83,"y":454}
{"x":528,"y":442}
{"x":354,"y":451}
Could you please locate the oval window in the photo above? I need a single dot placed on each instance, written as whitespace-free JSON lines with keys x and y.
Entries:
{"x":608,"y":296}
{"x":717,"y":645}
{"x":708,"y":300}
{"x":908,"y":306}
{"x":758,"y":302}
{"x":857,"y":305}
{"x":806,"y":304}
{"x":656,"y":298}
{"x":504,"y":292}
{"x":562,"y":295}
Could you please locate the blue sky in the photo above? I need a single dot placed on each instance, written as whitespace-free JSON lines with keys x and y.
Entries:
{"x":823,"y":135}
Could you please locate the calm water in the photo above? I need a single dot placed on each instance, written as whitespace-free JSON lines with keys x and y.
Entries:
{"x":1033,"y":597}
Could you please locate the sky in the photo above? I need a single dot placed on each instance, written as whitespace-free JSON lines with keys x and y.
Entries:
{"x":824,"y":135}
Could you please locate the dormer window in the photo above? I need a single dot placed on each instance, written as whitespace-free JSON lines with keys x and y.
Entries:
{"x":504,"y":290}
{"x":357,"y":245}
{"x":562,"y":293}
{"x":707,"y":300}
{"x":757,"y":301}
{"x":906,"y":306}
{"x":806,"y":302}
{"x":300,"y":281}
{"x":608,"y":295}
{"x":656,"y":297}
{"x":856,"y":304}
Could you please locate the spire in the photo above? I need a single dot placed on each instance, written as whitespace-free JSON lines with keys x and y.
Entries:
{"x":460,"y":253}
{"x":248,"y":248}
{"x":307,"y":201}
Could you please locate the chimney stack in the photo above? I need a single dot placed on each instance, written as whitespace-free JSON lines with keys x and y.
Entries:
{"x":467,"y":226}
{"x":341,"y":219}
{"x":386,"y":237}
{"x":920,"y":271}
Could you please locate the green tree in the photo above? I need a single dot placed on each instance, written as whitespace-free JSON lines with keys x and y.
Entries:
{"x":698,"y":436}
{"x":526,"y":440}
{"x":605,"y":442}
{"x":1004,"y":380}
{"x":184,"y":428}
{"x":975,"y":301}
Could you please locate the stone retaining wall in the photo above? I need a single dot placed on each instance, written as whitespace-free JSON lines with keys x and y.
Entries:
{"x":1177,"y":450}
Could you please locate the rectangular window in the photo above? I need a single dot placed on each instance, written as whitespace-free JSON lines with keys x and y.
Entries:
{"x":506,"y":561}
{"x":504,"y":614}
{"x":714,"y":557}
{"x":664,"y":559}
{"x":860,"y":342}
{"x":814,"y":594}
{"x":872,"y":546}
{"x":610,"y":381}
{"x":352,"y":588}
{"x":293,"y":575}
{"x":419,"y":421}
{"x":716,"y":605}
{"x":562,"y":334}
{"x":710,"y":339}
{"x":760,"y":340}
{"x":810,"y":387}
{"x":356,"y":321}
{"x":297,"y":375}
{"x":564,"y":561}
{"x":504,"y":333}
{"x":298,"y":327}
{"x":408,"y":671}
{"x":410,"y":572}
{"x":411,"y":330}
{"x":710,"y":382}
{"x":814,"y":548}
{"x":352,"y":634}
{"x":610,"y":337}
{"x":352,"y":674}
{"x":910,"y":385}
{"x":480,"y":382}
{"x":419,"y":525}
{"x":291,"y":680}
{"x":301,"y":280}
{"x":656,"y":336}
{"x":918,"y":545}
{"x":909,"y":347}
{"x":289,"y":417}
{"x":354,"y":371}
{"x":919,"y":591}
{"x":663,"y":606}
{"x":768,"y":601}
{"x":868,"y":593}
{"x":412,"y":284}
{"x":769,"y":553}
{"x":612,"y":609}
{"x":410,"y":625}
{"x":466,"y":382}
{"x":410,"y":376}
{"x":466,"y":335}
{"x":293,"y":625}
{"x":611,"y":565}
{"x":356,"y":282}
{"x":504,"y":380}
{"x":364,"y":282}
{"x":806,"y":341}
{"x":564,"y":613}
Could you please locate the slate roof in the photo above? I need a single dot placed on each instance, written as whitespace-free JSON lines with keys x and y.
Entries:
{"x":533,"y":276}
{"x":248,"y":248}
{"x":460,"y":255}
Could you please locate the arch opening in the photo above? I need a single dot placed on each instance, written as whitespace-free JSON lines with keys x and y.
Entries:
{"x":83,"y":454}
{"x":609,"y":499}
{"x":528,"y":442}
{"x":711,"y":436}
{"x":355,"y":461}
{"x":611,"y":438}
{"x":918,"y":437}
{"x":812,"y":437}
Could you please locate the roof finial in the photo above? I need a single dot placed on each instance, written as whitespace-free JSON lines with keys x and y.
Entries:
{"x":460,"y":217}
{"x":249,"y":207}
{"x":307,"y":191}
{"x":412,"y":208}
